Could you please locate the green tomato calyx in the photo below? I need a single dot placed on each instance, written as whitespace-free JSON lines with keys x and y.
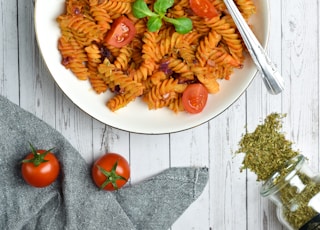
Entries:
{"x":111,"y":176}
{"x":38,"y":158}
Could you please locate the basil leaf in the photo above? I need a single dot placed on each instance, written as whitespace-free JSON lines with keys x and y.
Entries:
{"x":140,"y":9}
{"x":154,"y":23}
{"x":182,"y":25}
{"x":161,"y":6}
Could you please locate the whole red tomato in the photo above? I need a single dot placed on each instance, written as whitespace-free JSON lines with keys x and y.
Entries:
{"x":111,"y":171}
{"x":40,"y":168}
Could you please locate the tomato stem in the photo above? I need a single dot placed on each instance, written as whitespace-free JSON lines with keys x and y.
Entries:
{"x":38,"y":158}
{"x":111,"y":176}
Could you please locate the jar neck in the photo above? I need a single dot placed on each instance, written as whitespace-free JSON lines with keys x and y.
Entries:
{"x":280,"y":178}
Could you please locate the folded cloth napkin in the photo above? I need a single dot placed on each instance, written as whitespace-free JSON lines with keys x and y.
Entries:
{"x":73,"y":201}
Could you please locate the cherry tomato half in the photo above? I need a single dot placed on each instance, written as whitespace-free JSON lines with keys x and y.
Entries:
{"x":203,"y":8}
{"x":121,"y":33}
{"x":194,"y":98}
{"x":111,"y":171}
{"x":40,"y":168}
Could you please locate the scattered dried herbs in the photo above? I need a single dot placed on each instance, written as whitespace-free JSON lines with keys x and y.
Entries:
{"x":267,"y":152}
{"x":266,"y":149}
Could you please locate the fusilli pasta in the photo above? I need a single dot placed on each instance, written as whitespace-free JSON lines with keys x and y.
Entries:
{"x":156,"y":66}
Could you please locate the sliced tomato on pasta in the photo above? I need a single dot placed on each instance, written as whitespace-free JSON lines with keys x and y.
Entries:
{"x":203,"y":8}
{"x":194,"y":98}
{"x":121,"y":33}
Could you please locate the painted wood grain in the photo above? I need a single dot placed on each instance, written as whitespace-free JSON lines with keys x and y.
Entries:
{"x":231,"y":199}
{"x":300,"y":59}
{"x":9,"y":79}
{"x":227,"y":185}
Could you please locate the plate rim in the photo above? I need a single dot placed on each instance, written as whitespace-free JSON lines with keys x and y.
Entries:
{"x":168,"y":130}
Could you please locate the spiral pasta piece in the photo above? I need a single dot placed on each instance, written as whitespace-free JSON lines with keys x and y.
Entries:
{"x":219,"y":5}
{"x":121,"y":100}
{"x":154,"y":79}
{"x":84,"y":30}
{"x":117,"y":102}
{"x":128,"y":91}
{"x":136,"y":54}
{"x":73,"y":57}
{"x":140,"y":26}
{"x":101,"y":17}
{"x":182,"y":68}
{"x":176,"y":104}
{"x":161,"y":94}
{"x":187,"y":52}
{"x":230,"y":37}
{"x":178,"y":9}
{"x":145,"y":69}
{"x":206,"y":47}
{"x":149,"y":47}
{"x":123,"y":58}
{"x":201,"y":27}
{"x":76,"y":7}
{"x":116,"y":8}
{"x":246,"y":7}
{"x":221,"y":57}
{"x":82,"y":25}
{"x":168,"y":42}
{"x":94,"y":59}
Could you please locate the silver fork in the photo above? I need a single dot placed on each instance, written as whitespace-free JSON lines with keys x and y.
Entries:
{"x":270,"y":75}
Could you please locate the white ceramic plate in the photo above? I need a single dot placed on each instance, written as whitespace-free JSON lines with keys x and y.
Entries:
{"x":136,"y":117}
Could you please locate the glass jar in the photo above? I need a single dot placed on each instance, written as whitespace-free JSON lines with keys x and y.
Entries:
{"x":295,"y":190}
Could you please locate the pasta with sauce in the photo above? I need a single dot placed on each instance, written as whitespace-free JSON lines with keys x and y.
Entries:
{"x":154,"y":66}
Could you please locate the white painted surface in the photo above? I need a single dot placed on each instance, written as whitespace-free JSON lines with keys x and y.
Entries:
{"x":231,"y":200}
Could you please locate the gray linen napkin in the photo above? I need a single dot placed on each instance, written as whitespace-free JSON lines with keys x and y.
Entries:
{"x":73,"y":201}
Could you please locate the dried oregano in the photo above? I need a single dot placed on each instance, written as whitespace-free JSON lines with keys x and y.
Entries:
{"x":266,"y":152}
{"x":266,"y":149}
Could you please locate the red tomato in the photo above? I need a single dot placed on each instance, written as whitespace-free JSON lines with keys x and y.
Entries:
{"x":203,"y":8}
{"x":121,"y":33}
{"x":40,"y":168}
{"x":111,"y":171}
{"x":194,"y":98}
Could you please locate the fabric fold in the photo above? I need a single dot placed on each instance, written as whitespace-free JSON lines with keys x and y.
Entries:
{"x":159,"y":201}
{"x":73,"y":201}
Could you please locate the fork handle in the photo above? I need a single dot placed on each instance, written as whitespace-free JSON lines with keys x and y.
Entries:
{"x":271,"y":77}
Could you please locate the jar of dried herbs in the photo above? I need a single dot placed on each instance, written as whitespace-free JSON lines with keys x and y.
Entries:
{"x":295,"y":189}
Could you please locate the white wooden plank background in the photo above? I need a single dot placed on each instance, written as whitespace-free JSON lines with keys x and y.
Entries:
{"x":231,"y":200}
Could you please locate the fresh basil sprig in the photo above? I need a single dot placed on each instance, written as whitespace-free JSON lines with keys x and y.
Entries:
{"x":141,"y":10}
